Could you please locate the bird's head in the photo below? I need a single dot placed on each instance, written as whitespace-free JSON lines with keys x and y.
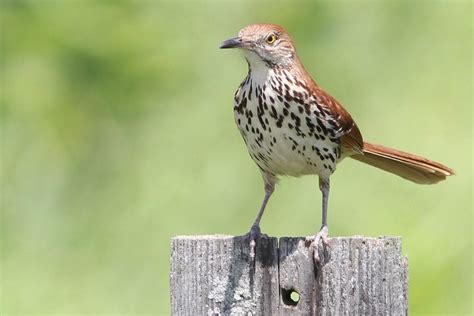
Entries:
{"x":264,"y":44}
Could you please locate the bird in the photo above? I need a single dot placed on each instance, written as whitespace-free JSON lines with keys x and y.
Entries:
{"x":292,"y":127}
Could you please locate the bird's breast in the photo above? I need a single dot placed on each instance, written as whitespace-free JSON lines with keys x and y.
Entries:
{"x":285,"y":130}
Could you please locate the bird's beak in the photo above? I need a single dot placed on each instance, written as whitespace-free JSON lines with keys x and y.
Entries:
{"x":236,"y":42}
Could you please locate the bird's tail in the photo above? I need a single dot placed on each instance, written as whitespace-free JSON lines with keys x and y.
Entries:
{"x":411,"y":167}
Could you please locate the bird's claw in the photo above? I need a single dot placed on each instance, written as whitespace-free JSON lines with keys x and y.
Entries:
{"x":320,"y":243}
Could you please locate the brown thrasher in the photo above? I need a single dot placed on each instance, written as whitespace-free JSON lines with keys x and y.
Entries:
{"x":293,"y":127}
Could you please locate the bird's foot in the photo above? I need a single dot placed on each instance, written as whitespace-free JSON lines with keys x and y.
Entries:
{"x":320,"y":243}
{"x":254,"y":235}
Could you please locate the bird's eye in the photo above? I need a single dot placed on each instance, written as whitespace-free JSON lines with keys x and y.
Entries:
{"x":271,"y":39}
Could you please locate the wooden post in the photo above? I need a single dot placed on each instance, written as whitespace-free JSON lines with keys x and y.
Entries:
{"x":212,"y":275}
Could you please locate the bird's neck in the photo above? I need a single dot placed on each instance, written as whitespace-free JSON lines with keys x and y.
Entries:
{"x":261,"y":72}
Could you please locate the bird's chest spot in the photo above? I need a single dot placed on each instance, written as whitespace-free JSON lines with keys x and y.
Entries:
{"x":279,"y":126}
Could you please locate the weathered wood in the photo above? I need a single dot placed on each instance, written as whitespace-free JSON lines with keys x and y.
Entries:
{"x":213,"y":275}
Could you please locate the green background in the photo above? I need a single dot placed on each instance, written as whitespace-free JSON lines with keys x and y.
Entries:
{"x":117,"y":134}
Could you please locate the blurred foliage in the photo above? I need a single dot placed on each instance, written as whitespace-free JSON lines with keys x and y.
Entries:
{"x":117,"y":133}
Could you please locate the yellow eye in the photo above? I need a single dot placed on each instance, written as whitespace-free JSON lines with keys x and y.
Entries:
{"x":271,"y":39}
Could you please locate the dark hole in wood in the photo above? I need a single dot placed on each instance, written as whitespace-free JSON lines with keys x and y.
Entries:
{"x":290,"y":297}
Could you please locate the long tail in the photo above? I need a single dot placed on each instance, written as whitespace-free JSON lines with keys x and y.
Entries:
{"x":411,"y":167}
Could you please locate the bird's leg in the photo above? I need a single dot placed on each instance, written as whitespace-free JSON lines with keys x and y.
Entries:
{"x":255,"y":230}
{"x":320,"y":240}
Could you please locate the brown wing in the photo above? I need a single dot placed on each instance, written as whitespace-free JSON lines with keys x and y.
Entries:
{"x":351,"y":138}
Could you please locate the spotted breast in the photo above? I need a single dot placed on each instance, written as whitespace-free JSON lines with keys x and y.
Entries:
{"x":286,"y":130}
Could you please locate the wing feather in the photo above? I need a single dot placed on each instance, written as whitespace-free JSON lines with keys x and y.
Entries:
{"x":351,"y":138}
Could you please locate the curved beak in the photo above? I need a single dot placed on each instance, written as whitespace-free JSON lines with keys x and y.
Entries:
{"x":233,"y":43}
